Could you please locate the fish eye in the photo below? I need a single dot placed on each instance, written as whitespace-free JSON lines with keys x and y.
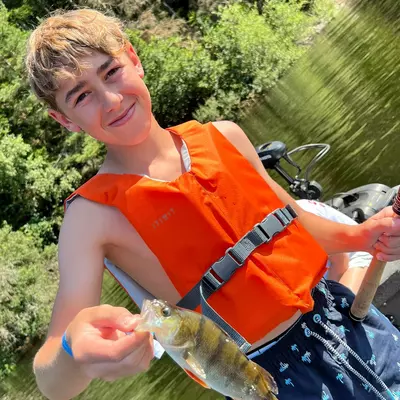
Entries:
{"x":166,"y":311}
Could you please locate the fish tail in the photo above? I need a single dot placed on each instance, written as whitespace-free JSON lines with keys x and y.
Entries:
{"x":270,"y":396}
{"x":269,"y":382}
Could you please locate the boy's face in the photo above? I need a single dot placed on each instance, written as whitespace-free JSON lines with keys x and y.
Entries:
{"x":109,"y":100}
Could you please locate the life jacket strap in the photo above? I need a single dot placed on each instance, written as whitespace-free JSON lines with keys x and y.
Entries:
{"x":223,"y":269}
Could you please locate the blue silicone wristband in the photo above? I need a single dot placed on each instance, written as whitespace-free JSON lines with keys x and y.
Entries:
{"x":66,"y":346}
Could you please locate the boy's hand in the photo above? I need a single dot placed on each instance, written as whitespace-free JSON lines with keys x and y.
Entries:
{"x":104,"y":345}
{"x":382,"y":235}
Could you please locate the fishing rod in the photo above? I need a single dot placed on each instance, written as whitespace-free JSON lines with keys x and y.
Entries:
{"x":371,"y":281}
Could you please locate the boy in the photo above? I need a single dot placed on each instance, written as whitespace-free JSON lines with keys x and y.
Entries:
{"x":165,"y":206}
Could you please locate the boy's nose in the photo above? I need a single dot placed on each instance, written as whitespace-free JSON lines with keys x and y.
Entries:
{"x":111,"y":101}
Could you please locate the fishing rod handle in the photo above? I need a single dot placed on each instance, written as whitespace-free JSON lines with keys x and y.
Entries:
{"x":362,"y":302}
{"x":371,"y":281}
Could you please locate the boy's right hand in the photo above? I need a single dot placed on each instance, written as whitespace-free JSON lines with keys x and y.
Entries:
{"x":104,"y":343}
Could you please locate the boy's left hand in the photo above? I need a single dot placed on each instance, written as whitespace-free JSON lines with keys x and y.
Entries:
{"x":381,"y":235}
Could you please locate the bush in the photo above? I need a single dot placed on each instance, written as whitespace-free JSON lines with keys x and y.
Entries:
{"x":179,"y":74}
{"x":31,"y":187}
{"x":27,"y":288}
{"x":252,"y":52}
{"x":238,"y":55}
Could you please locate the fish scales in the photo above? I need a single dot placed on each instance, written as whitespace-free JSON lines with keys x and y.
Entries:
{"x":206,"y":353}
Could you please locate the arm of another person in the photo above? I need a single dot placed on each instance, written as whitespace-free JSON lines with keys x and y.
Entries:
{"x":332,"y":236}
{"x":346,"y":268}
{"x":76,"y":309}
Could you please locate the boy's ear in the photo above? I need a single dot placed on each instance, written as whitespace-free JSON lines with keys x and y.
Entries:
{"x":63,"y":120}
{"x":135,"y":59}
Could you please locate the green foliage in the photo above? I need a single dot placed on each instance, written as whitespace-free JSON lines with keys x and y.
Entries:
{"x":323,"y":10}
{"x":34,"y":179}
{"x":248,"y":49}
{"x":27,"y":13}
{"x":223,"y":105}
{"x":31,"y":187}
{"x":179,"y":72}
{"x":287,"y":21}
{"x":252,"y":52}
{"x":18,"y":106}
{"x":27,"y":289}
{"x":238,"y":54}
{"x":82,"y":153}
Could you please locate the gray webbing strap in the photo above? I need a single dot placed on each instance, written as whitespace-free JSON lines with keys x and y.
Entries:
{"x":222,"y":270}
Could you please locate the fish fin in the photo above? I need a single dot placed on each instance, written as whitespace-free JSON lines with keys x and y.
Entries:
{"x":180,"y":347}
{"x":196,"y":379}
{"x":195,"y":366}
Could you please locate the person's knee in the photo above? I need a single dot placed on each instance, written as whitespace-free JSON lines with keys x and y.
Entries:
{"x":353,"y":277}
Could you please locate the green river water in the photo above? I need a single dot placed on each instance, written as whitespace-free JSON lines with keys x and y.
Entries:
{"x":344,"y":92}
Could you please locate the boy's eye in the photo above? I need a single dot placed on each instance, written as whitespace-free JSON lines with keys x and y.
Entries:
{"x":81,"y":97}
{"x":112,"y":72}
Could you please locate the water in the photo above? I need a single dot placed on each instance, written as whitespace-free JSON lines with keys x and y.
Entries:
{"x":345,"y":93}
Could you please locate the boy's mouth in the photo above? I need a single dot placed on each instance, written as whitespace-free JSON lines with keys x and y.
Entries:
{"x":125,"y":116}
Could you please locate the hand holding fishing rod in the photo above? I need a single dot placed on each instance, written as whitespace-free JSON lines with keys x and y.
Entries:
{"x":371,"y":281}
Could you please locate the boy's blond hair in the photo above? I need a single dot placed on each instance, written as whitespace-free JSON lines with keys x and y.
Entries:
{"x":56,"y":46}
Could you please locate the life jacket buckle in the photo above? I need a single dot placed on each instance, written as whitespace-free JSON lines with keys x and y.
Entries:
{"x":235,"y":257}
{"x":230,"y":253}
{"x":211,"y":280}
{"x":222,"y":270}
{"x":263,"y":235}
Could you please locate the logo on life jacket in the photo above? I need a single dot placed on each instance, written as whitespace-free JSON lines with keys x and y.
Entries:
{"x":163,"y":218}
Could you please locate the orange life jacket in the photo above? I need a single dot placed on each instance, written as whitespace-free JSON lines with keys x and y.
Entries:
{"x":190,"y":222}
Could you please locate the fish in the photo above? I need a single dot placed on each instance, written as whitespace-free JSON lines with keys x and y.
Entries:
{"x":206,"y":352}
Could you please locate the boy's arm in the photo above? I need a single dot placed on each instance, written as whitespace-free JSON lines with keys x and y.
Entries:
{"x":81,"y":254}
{"x":332,"y":236}
{"x":81,"y":272}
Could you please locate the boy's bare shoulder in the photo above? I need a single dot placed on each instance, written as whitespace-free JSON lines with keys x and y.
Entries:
{"x":87,"y":219}
{"x":96,"y":224}
{"x":228,"y":127}
{"x":80,"y":206}
{"x":235,"y":134}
